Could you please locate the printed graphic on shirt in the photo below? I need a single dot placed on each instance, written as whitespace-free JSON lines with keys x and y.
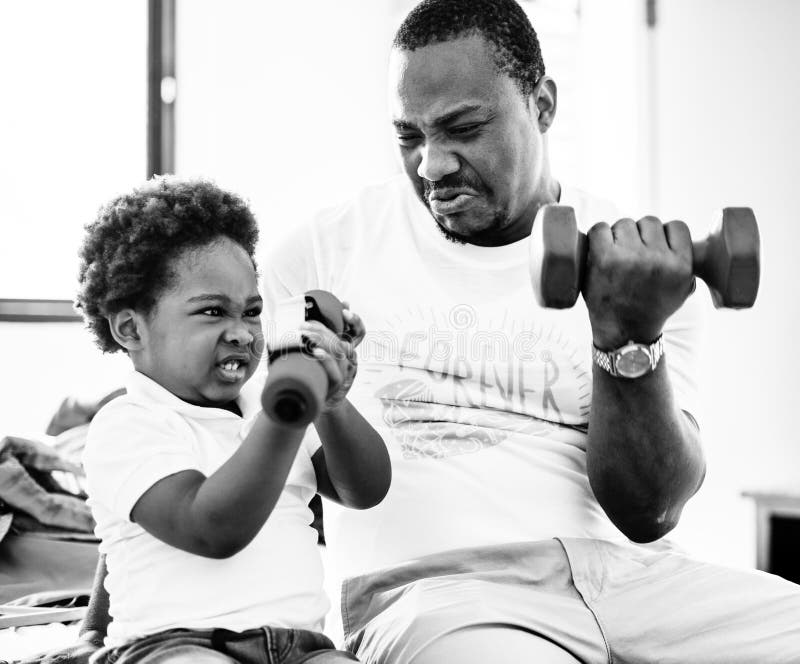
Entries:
{"x":458,"y":384}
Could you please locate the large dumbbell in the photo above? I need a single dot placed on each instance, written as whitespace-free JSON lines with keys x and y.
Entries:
{"x":297,"y":384}
{"x":727,"y":260}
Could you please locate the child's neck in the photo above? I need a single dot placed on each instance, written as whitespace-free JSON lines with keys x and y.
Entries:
{"x":233,"y":407}
{"x":230,"y":406}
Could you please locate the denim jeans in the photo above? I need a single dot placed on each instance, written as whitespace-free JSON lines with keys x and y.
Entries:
{"x":266,"y":645}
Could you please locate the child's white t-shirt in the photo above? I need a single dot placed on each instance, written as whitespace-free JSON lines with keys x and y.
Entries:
{"x":482,"y":396}
{"x":277,"y":580}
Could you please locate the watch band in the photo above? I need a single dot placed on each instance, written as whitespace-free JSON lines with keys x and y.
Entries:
{"x":614,"y":361}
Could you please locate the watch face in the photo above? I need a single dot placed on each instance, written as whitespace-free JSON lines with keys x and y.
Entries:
{"x":633,"y":361}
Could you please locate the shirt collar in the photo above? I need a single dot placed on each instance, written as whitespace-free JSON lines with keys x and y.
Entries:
{"x":144,"y":388}
{"x":513,"y":254}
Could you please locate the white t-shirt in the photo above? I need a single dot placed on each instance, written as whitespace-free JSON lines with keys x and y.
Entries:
{"x":481,"y":395}
{"x":148,"y":434}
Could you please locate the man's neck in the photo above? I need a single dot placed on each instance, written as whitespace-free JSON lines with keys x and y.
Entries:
{"x":521,"y":227}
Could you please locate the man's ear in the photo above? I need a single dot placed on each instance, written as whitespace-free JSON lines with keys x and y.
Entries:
{"x":545,"y":97}
{"x":126,"y":328}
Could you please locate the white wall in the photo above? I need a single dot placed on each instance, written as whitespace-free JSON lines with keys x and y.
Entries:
{"x":72,"y":131}
{"x":44,"y":362}
{"x":694,"y":115}
{"x":728,"y":93}
{"x":284,"y":102}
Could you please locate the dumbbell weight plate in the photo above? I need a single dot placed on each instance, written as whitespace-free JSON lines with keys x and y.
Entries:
{"x":728,"y":260}
{"x":557,"y":257}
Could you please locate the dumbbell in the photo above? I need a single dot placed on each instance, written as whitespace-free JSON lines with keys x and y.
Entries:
{"x":727,"y":260}
{"x":297,"y":384}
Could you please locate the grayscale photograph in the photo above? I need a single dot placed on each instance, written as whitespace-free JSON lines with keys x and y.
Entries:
{"x":399,"y":332}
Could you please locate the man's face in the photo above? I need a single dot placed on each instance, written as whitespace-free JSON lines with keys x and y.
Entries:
{"x":201,"y":341}
{"x":469,"y":141}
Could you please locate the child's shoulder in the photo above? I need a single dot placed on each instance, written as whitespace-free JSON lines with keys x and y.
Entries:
{"x":127,"y":422}
{"x":128,"y":408}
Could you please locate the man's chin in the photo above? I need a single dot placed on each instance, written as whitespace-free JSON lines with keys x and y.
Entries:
{"x":464,"y":230}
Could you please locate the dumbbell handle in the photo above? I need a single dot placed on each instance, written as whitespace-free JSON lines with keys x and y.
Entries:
{"x":297,"y":384}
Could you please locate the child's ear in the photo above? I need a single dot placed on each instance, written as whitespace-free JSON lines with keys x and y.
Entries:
{"x":126,"y":328}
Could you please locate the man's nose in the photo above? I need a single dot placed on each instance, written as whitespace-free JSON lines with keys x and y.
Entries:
{"x":437,"y":162}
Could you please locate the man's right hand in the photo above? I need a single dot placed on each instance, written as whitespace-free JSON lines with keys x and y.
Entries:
{"x":637,"y":275}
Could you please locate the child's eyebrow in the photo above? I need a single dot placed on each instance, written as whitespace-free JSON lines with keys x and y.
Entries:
{"x":218,"y":297}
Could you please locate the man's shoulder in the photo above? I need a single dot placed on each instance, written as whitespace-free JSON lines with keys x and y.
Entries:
{"x":314,"y":254}
{"x":589,"y":207}
{"x":372,"y":202}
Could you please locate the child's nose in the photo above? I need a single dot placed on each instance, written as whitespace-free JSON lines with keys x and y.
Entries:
{"x":238,"y":334}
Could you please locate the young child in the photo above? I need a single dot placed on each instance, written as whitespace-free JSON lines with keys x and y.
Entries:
{"x":204,"y":520}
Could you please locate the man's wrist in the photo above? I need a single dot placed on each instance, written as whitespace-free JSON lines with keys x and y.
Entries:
{"x":631,"y":360}
{"x":607,"y":338}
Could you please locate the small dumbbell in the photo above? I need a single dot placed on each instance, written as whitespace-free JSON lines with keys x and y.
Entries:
{"x":297,"y":384}
{"x":727,"y":260}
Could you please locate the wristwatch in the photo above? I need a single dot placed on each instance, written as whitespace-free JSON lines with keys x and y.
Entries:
{"x":631,"y":360}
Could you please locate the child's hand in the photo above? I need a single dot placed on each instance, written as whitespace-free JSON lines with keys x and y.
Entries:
{"x":337,"y":355}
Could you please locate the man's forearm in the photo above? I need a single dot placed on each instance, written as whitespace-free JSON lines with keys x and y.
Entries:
{"x":644,"y":458}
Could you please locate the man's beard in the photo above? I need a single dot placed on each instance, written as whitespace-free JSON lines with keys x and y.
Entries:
{"x":500,"y":220}
{"x":459,"y":181}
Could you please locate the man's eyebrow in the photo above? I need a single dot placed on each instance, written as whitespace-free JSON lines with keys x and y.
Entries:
{"x":443,"y":119}
{"x":401,"y":125}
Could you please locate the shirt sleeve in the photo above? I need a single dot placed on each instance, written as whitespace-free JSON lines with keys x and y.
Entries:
{"x":289,"y":269}
{"x":129,"y":448}
{"x":683,"y":341}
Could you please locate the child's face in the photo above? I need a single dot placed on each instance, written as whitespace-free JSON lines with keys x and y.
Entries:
{"x":202,"y":339}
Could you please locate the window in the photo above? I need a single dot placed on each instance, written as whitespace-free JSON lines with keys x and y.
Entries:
{"x":72,"y":131}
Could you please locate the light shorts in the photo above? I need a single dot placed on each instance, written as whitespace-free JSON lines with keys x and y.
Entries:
{"x":601,"y":602}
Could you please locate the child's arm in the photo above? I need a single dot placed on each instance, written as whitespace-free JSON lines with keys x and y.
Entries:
{"x":217,"y":516}
{"x":352,"y":466}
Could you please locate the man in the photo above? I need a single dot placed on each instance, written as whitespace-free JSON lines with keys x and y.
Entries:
{"x":505,"y":432}
{"x":505,"y":426}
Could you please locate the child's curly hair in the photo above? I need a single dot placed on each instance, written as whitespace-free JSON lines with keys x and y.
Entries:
{"x":128,"y":252}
